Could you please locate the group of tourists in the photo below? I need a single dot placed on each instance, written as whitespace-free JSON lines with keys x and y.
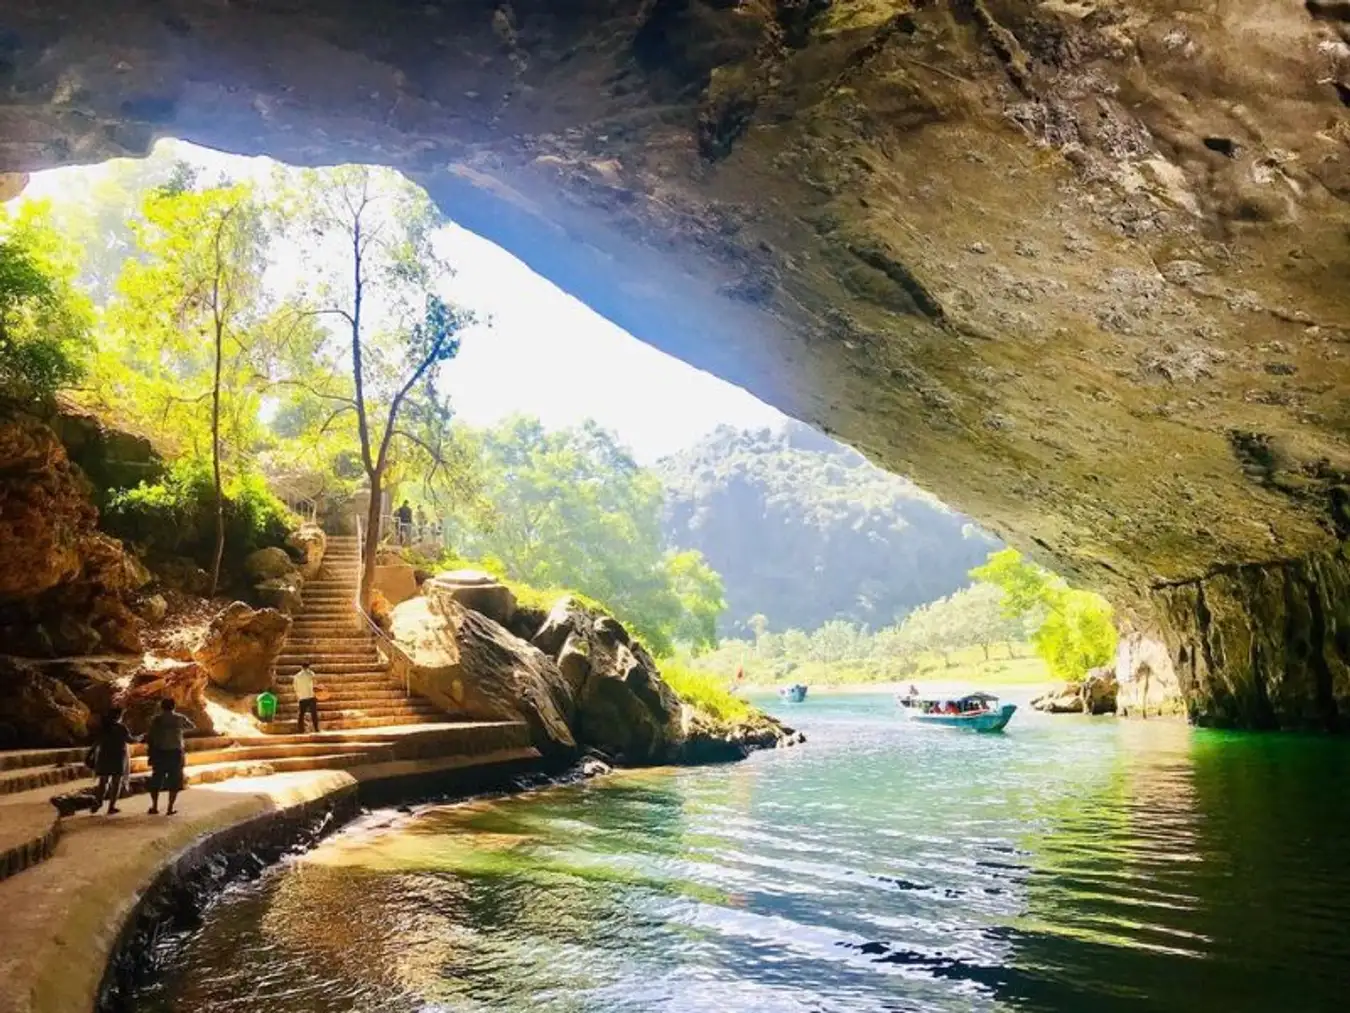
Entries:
{"x":110,"y":757}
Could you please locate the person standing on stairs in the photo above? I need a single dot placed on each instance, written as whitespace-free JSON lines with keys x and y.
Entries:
{"x":306,"y":701}
{"x":168,"y":754}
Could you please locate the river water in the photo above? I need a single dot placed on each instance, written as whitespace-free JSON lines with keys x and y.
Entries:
{"x":1069,"y":864}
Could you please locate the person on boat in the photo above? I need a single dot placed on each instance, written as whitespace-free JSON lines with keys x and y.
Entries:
{"x":112,"y":760}
{"x":168,"y":754}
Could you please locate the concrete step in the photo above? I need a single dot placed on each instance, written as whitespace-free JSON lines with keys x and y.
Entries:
{"x":28,"y":778}
{"x":327,"y":648}
{"x":327,"y":671}
{"x":212,"y":773}
{"x":14,"y":759}
{"x":390,"y":708}
{"x":269,"y":750}
{"x":349,"y":724}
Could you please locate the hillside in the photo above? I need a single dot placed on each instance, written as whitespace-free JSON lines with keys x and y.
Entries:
{"x":804,"y":530}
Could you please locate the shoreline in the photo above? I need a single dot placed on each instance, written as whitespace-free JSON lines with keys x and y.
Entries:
{"x":892,"y":688}
{"x":80,"y":925}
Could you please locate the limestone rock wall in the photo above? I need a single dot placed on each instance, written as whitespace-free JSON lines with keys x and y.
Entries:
{"x":1264,"y":645}
{"x":1147,"y":684}
{"x":1078,"y":268}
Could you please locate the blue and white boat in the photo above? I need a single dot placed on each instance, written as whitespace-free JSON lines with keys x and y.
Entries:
{"x":795,"y":693}
{"x":980,"y":712}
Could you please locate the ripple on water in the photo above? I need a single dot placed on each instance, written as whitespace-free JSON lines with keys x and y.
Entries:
{"x":1071,"y":865}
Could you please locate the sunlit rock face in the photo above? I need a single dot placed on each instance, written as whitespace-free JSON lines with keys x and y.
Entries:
{"x":1078,"y":267}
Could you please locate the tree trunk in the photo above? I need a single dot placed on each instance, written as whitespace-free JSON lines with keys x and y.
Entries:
{"x":215,"y":466}
{"x":370,"y":548}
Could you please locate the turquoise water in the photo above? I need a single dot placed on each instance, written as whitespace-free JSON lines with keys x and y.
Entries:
{"x":1069,"y":864}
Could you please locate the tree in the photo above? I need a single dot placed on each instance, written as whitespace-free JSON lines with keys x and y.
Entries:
{"x":572,"y":509}
{"x":1074,"y":629}
{"x":377,"y":228}
{"x":45,"y":321}
{"x":189,"y":307}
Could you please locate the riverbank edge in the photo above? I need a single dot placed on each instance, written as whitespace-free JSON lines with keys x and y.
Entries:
{"x":184,"y":887}
{"x":181,"y":887}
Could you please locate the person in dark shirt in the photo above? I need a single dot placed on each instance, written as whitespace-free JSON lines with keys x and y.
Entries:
{"x":112,"y":759}
{"x":404,"y":516}
{"x":168,"y":754}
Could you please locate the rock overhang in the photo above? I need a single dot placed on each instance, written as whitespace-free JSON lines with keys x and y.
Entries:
{"x":1077,"y":267}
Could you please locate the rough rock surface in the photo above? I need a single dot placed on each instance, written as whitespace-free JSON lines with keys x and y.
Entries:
{"x":310,"y":541}
{"x":182,"y":681}
{"x":65,"y":587}
{"x":1063,"y":699}
{"x":475,"y":590}
{"x":1099,"y":691}
{"x":471,"y":666}
{"x":53,"y":704}
{"x":1147,"y":680}
{"x":602,"y":691}
{"x":240,"y":645}
{"x":396,"y":581}
{"x":269,"y":564}
{"x":1075,"y":267}
{"x":280,"y":593}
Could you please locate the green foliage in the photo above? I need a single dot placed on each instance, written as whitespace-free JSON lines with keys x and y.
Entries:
{"x":706,"y":691}
{"x":44,"y":321}
{"x":1074,"y":631}
{"x":176,"y":515}
{"x":572,"y":509}
{"x":804,"y":530}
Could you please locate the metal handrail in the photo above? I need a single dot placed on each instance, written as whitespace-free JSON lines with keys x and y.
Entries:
{"x":380,"y":635}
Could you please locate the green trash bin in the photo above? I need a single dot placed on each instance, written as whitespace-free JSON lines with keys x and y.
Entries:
{"x":267,"y":705}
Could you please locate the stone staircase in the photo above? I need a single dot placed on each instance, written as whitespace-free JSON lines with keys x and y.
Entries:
{"x":30,"y":778}
{"x":352,"y":681}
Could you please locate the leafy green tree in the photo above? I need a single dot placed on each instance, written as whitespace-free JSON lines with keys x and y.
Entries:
{"x":1074,"y":629}
{"x":572,"y":509}
{"x":377,"y":288}
{"x":45,"y":321}
{"x":186,"y":319}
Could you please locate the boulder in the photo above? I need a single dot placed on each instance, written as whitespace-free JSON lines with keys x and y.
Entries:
{"x":475,"y":590}
{"x":46,"y":515}
{"x":38,"y":710}
{"x":396,"y":581}
{"x":281,"y":593}
{"x":624,"y":707}
{"x":240,"y":646}
{"x":566,"y":617}
{"x":153,"y":608}
{"x":180,"y":573}
{"x":1099,"y":691}
{"x":1063,"y":699}
{"x":310,"y":543}
{"x":269,"y":564}
{"x":475,"y":668}
{"x":160,"y":678}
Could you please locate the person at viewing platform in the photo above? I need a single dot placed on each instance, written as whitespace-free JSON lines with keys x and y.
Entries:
{"x":168,"y":754}
{"x":404,"y":516}
{"x":306,"y":700}
{"x":112,"y":760}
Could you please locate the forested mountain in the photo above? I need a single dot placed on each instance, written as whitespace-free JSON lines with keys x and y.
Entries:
{"x":804,"y":530}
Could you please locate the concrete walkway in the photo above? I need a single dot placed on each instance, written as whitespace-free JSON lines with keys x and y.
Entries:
{"x":62,"y":918}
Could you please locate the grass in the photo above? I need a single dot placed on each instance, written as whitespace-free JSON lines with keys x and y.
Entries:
{"x":706,"y":691}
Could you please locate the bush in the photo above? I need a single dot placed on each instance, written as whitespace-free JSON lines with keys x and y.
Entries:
{"x":705,"y":691}
{"x":176,"y":516}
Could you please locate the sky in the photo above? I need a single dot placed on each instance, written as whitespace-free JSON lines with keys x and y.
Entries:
{"x":539,"y":357}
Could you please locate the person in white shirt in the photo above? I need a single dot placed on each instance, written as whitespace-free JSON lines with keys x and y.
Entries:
{"x":304,"y":695}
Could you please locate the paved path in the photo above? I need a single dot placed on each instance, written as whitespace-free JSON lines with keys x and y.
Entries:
{"x":61,"y":919}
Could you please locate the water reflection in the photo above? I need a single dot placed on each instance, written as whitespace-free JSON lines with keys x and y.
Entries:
{"x":1065,"y":866}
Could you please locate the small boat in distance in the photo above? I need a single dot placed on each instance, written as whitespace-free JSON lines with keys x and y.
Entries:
{"x":795,"y":693}
{"x":981,"y":712}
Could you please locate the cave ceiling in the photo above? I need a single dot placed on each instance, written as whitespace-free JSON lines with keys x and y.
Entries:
{"x":1080,"y":268}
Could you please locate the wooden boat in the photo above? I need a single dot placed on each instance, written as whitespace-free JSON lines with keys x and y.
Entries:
{"x":795,"y":693}
{"x":981,"y":712}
